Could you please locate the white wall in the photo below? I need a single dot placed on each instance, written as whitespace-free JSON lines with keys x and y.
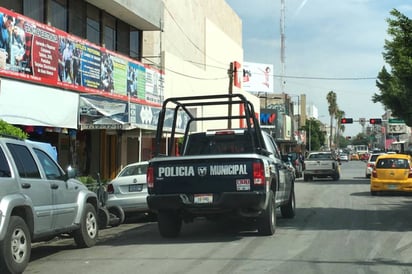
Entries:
{"x":199,"y":65}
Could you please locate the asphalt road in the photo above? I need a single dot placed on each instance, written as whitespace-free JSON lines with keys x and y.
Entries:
{"x":339,"y":228}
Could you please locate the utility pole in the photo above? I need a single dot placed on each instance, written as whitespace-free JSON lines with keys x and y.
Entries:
{"x":282,"y":45}
{"x":230,"y":74}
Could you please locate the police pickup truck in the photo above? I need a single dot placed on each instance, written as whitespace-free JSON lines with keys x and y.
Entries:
{"x":217,"y":173}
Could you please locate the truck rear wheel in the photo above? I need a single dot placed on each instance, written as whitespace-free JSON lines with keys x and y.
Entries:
{"x":15,"y":249}
{"x":169,"y":224}
{"x":288,"y":210}
{"x":267,"y":219}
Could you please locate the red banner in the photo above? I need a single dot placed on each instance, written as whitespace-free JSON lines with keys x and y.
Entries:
{"x":35,"y":52}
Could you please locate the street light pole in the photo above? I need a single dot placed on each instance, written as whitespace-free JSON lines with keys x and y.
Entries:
{"x":310,"y":135}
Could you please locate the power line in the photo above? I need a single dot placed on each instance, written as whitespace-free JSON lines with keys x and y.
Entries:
{"x":326,"y":78}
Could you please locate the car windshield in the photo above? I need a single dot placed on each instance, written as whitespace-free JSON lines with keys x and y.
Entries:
{"x":392,"y":163}
{"x":133,"y":170}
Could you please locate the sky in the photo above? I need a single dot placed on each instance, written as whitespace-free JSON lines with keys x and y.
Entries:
{"x":330,"y":45}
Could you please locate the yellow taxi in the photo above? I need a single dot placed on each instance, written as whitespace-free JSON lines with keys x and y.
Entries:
{"x":392,"y":172}
{"x":354,"y":156}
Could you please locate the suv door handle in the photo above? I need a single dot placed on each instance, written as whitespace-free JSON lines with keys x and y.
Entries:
{"x":25,"y":185}
{"x":54,"y":186}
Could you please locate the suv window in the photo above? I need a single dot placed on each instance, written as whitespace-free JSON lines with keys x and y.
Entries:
{"x":4,"y":166}
{"x":49,"y":166}
{"x":26,"y":166}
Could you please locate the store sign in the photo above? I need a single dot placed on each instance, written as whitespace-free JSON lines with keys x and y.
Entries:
{"x":97,"y":112}
{"x":396,"y":121}
{"x":396,"y":129}
{"x":48,"y":56}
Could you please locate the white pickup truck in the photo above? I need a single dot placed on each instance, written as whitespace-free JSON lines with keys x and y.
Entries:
{"x":321,"y":164}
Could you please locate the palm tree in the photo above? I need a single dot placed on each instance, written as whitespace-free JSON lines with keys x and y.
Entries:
{"x":340,"y":127}
{"x":333,"y":108}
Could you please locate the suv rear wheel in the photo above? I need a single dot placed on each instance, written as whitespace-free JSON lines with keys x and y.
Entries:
{"x":15,"y":249}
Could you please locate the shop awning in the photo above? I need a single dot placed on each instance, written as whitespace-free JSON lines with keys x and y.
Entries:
{"x":33,"y":105}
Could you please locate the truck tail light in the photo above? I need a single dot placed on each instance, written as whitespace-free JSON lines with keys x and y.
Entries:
{"x":258,"y":173}
{"x":150,"y":177}
{"x":110,"y":189}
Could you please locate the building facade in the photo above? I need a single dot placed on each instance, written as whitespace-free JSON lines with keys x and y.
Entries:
{"x":90,"y":76}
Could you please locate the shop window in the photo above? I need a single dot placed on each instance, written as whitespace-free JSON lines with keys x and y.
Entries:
{"x":34,"y":9}
{"x":135,"y":38}
{"x":109,"y":32}
{"x":77,"y":18}
{"x":122,"y":44}
{"x":93,"y":24}
{"x":57,"y":15}
{"x":14,"y":5}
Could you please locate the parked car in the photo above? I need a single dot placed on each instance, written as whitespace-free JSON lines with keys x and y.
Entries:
{"x":129,"y":189}
{"x":391,"y":173}
{"x":39,"y":201}
{"x":371,"y":163}
{"x":297,"y":161}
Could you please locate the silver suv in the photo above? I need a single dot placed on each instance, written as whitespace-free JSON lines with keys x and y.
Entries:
{"x":39,"y":201}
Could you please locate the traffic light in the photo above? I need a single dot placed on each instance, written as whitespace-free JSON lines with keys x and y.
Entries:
{"x":346,"y":120}
{"x":375,"y":121}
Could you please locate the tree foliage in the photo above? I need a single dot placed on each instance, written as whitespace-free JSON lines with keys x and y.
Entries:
{"x":360,"y":139}
{"x":396,"y":85}
{"x":9,"y":130}
{"x":317,"y":136}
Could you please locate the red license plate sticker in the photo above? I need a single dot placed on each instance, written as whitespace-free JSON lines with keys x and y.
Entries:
{"x":242,"y":184}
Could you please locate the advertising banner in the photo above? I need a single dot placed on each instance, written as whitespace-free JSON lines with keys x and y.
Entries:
{"x":97,"y":112}
{"x":257,"y":77}
{"x":32,"y":51}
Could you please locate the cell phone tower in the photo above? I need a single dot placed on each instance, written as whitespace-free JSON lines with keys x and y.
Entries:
{"x":282,"y":45}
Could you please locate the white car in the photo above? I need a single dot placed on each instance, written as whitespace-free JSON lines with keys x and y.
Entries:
{"x":344,"y":157}
{"x":371,"y":163}
{"x":129,"y":189}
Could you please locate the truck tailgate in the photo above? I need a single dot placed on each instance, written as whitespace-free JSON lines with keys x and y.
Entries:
{"x":204,"y":175}
{"x":319,"y":165}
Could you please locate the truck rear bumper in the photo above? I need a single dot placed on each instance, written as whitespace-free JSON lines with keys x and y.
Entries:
{"x":222,"y":201}
{"x":320,"y":172}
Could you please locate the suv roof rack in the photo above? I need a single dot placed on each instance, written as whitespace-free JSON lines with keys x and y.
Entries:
{"x":10,"y":136}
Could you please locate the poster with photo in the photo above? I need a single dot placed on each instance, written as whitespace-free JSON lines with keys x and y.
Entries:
{"x":32,"y":51}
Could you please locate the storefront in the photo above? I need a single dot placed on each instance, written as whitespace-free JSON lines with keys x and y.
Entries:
{"x":92,"y":104}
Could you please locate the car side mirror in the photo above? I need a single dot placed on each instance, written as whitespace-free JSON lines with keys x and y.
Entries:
{"x":71,"y":172}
